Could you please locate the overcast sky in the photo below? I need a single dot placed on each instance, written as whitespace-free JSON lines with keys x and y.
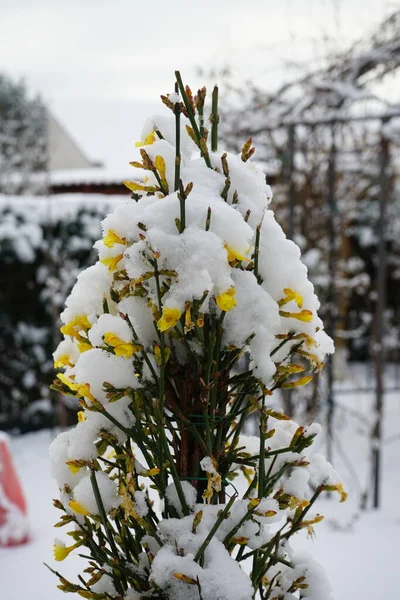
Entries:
{"x":102,"y":66}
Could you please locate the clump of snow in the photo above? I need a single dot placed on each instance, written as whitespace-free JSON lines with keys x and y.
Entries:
{"x":172,"y":496}
{"x":94,"y":365}
{"x":84,"y":493}
{"x":140,"y":503}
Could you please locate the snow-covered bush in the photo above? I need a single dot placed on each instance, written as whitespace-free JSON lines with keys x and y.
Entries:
{"x":44,"y":243}
{"x":192,"y":273}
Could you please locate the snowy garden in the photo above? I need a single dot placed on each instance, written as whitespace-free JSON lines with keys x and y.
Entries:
{"x":200,"y":379}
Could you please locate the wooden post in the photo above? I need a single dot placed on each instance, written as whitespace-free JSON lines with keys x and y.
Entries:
{"x":331,"y":296}
{"x":378,"y":347}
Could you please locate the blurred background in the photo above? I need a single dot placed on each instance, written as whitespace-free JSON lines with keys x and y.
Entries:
{"x":315,"y":84}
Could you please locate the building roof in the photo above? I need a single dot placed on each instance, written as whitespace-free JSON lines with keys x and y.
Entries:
{"x":64,"y":152}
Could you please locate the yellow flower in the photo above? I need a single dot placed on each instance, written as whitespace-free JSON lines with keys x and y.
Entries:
{"x":161,"y":358}
{"x":134,"y":186}
{"x":308,"y":524}
{"x":185,"y":578}
{"x":169,"y":318}
{"x":63,"y":361}
{"x":81,"y":416}
{"x":74,"y":468}
{"x":61,"y":551}
{"x":67,"y":381}
{"x":313,"y":358}
{"x":112,"y":261}
{"x":188,"y":319}
{"x":234,"y":254}
{"x":84,"y":345}
{"x":227,"y":300}
{"x":121,"y":348}
{"x":83,"y":390}
{"x":299,"y":383}
{"x":148,"y":140}
{"x":78,"y":508}
{"x":336,"y":488}
{"x":303,"y":315}
{"x":80,"y":323}
{"x":150,"y":472}
{"x":112,"y":238}
{"x":289,"y":369}
{"x":159,"y":164}
{"x":291,"y":295}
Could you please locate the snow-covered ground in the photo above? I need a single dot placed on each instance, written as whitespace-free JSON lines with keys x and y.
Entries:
{"x":358,"y":550}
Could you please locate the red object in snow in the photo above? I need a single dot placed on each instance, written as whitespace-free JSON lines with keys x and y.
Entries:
{"x":13,"y":509}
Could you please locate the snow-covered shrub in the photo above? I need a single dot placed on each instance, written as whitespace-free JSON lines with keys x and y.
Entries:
{"x":192,"y":273}
{"x":44,"y":243}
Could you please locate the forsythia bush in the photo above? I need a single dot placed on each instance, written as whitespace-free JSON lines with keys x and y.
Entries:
{"x":164,"y":496}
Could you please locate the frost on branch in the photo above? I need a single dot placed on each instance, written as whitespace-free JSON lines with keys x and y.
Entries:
{"x":193,"y":272}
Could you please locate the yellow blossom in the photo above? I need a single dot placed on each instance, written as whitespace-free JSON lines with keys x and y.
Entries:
{"x":303,"y":315}
{"x":84,"y":345}
{"x":74,"y":468}
{"x":80,"y":323}
{"x":121,"y":348}
{"x":291,"y":295}
{"x":214,"y":480}
{"x":299,"y":383}
{"x":185,"y":578}
{"x":295,"y":502}
{"x":63,"y":361}
{"x":148,"y":140}
{"x":289,"y":369}
{"x":188,"y":319}
{"x":338,"y":487}
{"x":161,"y":358}
{"x":67,"y":381}
{"x":150,"y":472}
{"x":226,"y":301}
{"x":134,"y":186}
{"x":61,"y":551}
{"x":83,"y":390}
{"x":81,"y":416}
{"x":112,"y":261}
{"x":112,"y":238}
{"x":78,"y":508}
{"x":159,"y":164}
{"x":169,"y":318}
{"x":308,"y":524}
{"x":233,"y":254}
{"x":313,"y":358}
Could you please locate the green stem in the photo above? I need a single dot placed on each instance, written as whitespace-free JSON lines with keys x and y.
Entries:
{"x":177,"y":112}
{"x":285,"y":341}
{"x":192,"y":118}
{"x":106,"y":524}
{"x":214,"y":120}
{"x":256,"y":253}
{"x":214,"y":529}
{"x":261,"y":460}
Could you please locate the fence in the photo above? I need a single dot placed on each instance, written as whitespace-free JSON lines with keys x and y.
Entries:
{"x":384,"y":181}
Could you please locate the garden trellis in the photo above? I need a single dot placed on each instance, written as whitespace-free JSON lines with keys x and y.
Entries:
{"x":329,"y":141}
{"x":386,"y":199}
